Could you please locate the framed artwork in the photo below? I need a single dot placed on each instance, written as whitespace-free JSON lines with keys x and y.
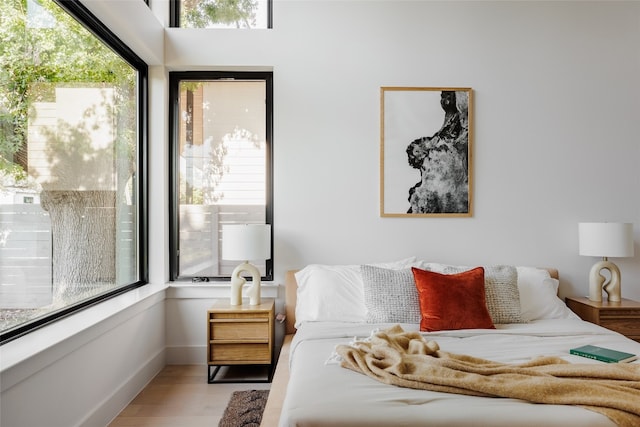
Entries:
{"x":426,"y":151}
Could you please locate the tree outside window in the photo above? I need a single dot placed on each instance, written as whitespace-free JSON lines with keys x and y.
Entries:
{"x":68,"y":163}
{"x":223,"y":13}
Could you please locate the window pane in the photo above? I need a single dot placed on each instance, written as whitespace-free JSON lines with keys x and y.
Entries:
{"x":68,"y":156}
{"x":224,"y":13}
{"x":222,"y":169}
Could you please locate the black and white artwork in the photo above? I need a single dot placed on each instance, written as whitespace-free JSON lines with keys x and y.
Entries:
{"x":425,"y":151}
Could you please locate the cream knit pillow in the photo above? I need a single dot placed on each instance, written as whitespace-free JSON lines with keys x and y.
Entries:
{"x":390,"y":296}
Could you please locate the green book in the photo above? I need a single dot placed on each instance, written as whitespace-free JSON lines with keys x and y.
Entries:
{"x":603,"y":354}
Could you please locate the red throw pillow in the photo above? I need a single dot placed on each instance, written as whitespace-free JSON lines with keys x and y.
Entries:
{"x":452,"y":301}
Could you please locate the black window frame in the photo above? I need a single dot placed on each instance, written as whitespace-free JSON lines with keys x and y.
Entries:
{"x":175,"y":78}
{"x":174,"y":13}
{"x":78,"y":11}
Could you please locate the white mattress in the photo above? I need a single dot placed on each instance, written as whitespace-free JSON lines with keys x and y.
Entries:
{"x":321,"y":393}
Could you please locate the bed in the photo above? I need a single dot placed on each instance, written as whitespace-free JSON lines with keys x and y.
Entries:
{"x":334,"y":307}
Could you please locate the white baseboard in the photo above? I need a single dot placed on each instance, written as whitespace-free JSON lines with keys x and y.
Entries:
{"x":115,"y":402}
{"x":186,"y":355}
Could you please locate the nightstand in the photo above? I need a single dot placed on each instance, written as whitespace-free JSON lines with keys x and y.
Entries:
{"x":240,"y":335}
{"x":623,"y":317}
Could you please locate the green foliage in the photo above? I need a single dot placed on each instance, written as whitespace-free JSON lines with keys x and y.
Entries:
{"x":204,"y":13}
{"x":53,"y":48}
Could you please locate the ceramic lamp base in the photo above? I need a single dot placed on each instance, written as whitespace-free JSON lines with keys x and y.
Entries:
{"x":598,"y":282}
{"x":237,"y":282}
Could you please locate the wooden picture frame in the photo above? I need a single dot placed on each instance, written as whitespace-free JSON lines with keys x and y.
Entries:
{"x":426,"y":141}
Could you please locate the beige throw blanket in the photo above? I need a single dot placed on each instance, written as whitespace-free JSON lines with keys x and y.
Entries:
{"x":407,"y":359}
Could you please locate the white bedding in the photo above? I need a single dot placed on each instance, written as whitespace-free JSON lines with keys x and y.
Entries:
{"x":321,"y":393}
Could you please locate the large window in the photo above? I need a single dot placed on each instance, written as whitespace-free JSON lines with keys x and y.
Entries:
{"x":221,"y":126}
{"x":72,"y":108}
{"x":220,"y":13}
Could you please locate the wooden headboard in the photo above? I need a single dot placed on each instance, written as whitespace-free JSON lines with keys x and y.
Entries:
{"x":291,"y":296}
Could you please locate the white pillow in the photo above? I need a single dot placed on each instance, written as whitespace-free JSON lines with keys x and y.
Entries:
{"x":335,"y":293}
{"x":539,"y":296}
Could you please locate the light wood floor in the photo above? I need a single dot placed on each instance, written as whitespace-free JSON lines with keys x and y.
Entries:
{"x":179,"y":396}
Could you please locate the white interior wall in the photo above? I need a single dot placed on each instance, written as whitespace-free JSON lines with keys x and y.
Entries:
{"x":557,"y":100}
{"x":83,"y":369}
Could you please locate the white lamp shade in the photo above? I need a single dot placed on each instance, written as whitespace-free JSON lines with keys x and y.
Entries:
{"x":246,"y":242}
{"x":606,"y":239}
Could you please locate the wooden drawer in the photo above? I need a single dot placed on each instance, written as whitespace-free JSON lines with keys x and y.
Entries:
{"x":242,"y":330}
{"x":628,"y":327}
{"x":626,"y":313}
{"x":240,"y":353}
{"x":622,"y":317}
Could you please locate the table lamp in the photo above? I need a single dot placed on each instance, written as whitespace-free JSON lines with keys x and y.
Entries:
{"x":605,"y":239}
{"x":246,"y":242}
